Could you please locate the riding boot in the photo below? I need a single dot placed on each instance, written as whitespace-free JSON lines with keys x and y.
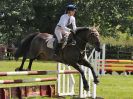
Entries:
{"x":57,"y":48}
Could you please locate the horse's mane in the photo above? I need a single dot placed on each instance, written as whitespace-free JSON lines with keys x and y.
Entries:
{"x":81,"y":29}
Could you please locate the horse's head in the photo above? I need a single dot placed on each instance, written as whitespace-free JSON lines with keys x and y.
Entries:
{"x":93,"y":38}
{"x":90,"y":35}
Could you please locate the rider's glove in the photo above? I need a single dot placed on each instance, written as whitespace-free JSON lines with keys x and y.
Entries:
{"x":72,"y":31}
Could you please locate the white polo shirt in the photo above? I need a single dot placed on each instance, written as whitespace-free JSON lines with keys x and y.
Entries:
{"x":66,"y":20}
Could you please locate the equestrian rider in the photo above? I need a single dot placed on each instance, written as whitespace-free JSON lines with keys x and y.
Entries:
{"x":62,"y":26}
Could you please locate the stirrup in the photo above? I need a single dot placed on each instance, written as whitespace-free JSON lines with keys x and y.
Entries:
{"x":73,"y":42}
{"x":56,"y":52}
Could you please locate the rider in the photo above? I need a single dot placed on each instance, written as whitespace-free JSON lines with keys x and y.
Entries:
{"x":62,"y":26}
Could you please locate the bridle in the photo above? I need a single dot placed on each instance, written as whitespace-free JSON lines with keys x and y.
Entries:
{"x":84,"y":41}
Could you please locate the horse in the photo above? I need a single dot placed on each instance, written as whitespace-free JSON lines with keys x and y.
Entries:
{"x":35,"y":45}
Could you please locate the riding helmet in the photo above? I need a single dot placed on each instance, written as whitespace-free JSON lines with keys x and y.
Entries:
{"x":71,"y":7}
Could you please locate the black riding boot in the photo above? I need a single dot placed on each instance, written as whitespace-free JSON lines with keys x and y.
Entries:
{"x":57,"y":48}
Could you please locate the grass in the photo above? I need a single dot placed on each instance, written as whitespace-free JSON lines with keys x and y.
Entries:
{"x":115,"y":87}
{"x":11,"y":65}
{"x":110,"y":86}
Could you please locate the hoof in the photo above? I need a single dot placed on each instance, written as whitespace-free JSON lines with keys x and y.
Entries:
{"x":86,"y":88}
{"x":18,"y":69}
{"x":96,"y":81}
{"x":27,"y":69}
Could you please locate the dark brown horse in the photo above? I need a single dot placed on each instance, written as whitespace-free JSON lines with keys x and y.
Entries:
{"x":35,"y":45}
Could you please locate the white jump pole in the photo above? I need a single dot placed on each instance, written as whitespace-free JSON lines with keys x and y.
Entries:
{"x":58,"y":79}
{"x":103,"y":59}
{"x":65,"y":82}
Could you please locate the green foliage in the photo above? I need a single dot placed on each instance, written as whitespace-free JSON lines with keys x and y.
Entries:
{"x":109,"y":14}
{"x":16,"y":21}
{"x":47,"y":13}
{"x":18,"y":18}
{"x":122,"y":39}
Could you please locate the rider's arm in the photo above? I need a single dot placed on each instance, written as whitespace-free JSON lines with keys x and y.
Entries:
{"x":73,"y":23}
{"x":63,"y":23}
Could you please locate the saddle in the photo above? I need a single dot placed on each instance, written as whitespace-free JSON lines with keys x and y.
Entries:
{"x":52,"y":40}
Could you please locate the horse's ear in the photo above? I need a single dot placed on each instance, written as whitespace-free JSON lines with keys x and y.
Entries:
{"x":97,"y":27}
{"x":94,"y":25}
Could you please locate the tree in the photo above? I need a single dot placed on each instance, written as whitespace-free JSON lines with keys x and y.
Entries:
{"x":21,"y":17}
{"x":112,"y":15}
{"x":16,"y":20}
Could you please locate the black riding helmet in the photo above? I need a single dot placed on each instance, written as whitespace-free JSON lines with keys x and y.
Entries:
{"x":71,"y":7}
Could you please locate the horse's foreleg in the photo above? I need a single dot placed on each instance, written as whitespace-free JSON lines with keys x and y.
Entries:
{"x":21,"y":66}
{"x":30,"y":64}
{"x":87,"y":64}
{"x":85,"y":83}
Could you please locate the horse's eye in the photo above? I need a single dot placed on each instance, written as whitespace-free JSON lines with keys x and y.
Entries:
{"x":92,"y":33}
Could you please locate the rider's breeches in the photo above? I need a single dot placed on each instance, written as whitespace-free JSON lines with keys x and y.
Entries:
{"x":59,"y":32}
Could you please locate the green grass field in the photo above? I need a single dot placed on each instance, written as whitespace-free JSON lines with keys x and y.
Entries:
{"x":110,"y":86}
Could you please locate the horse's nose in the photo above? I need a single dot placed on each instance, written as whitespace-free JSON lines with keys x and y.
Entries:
{"x":98,"y":49}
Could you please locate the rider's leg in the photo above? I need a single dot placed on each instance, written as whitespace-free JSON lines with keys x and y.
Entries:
{"x":65,"y":40}
{"x":57,"y":47}
{"x":58,"y":44}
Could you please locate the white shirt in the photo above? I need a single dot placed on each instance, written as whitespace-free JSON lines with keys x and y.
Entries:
{"x":64,"y":20}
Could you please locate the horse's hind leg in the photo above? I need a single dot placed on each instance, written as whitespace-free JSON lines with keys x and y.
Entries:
{"x":21,"y":66}
{"x":85,"y":83}
{"x":30,"y":64}
{"x":87,"y":64}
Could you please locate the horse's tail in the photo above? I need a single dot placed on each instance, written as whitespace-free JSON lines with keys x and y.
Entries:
{"x":24,"y":46}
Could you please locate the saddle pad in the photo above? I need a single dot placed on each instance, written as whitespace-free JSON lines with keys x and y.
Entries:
{"x":50,"y":42}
